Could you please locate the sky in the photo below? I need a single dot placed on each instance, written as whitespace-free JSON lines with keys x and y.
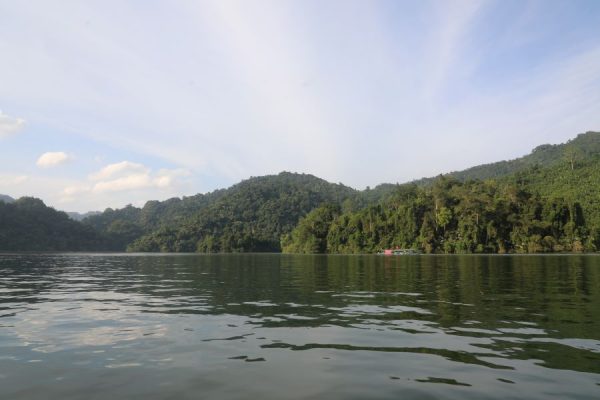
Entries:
{"x":107,"y":103}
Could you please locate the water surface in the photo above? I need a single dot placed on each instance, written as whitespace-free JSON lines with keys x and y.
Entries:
{"x":312,"y":327}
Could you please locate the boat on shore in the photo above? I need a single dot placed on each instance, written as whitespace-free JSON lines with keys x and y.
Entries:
{"x":399,"y":252}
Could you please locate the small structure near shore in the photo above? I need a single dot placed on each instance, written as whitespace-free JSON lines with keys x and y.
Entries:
{"x":399,"y":252}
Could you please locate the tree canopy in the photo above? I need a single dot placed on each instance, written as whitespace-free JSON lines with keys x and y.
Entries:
{"x":28,"y":224}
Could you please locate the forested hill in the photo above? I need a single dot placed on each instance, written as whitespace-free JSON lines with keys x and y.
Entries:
{"x":584,"y":146}
{"x":129,"y":223}
{"x":6,"y":199}
{"x":537,"y":209}
{"x":28,"y":224}
{"x":249,"y":216}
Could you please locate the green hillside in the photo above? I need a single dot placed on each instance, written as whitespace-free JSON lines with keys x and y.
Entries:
{"x":584,"y":146}
{"x":129,"y":223}
{"x":28,"y":224}
{"x":537,"y":209}
{"x":249,"y":216}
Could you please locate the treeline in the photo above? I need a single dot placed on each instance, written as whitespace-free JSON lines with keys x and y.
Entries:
{"x":537,"y":209}
{"x":123,"y":226}
{"x":452,"y":217}
{"x":250,"y":217}
{"x":581,"y":148}
{"x":28,"y":224}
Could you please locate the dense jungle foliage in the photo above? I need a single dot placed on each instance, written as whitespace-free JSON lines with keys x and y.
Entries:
{"x":536,"y":209}
{"x":27,"y":224}
{"x":454,"y":217}
{"x":250,"y":216}
{"x":547,"y":201}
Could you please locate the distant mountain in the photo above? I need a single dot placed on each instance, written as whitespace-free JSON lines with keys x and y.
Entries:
{"x":81,"y":216}
{"x":584,"y":146}
{"x":127,"y":224}
{"x":6,"y":199}
{"x":27,"y":224}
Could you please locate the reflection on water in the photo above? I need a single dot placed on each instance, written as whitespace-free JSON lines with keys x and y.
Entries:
{"x":281,"y":326}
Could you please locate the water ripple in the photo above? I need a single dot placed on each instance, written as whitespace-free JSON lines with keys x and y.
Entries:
{"x":334,"y":327}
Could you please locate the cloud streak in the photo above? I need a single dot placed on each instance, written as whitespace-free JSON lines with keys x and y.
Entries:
{"x":352,"y":91}
{"x":9,"y":181}
{"x":10,"y":125}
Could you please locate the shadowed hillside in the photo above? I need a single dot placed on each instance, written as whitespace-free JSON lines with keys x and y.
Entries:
{"x":28,"y":224}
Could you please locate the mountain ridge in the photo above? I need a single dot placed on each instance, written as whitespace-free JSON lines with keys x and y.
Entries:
{"x":545,"y":155}
{"x":6,"y":198}
{"x":258,"y":213}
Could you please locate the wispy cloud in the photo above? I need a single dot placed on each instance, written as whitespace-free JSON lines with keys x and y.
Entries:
{"x":9,"y":181}
{"x":447,"y":57}
{"x":10,"y":125}
{"x":352,"y":91}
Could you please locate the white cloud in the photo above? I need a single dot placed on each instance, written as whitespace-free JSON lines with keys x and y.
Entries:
{"x":125,"y":176}
{"x":120,"y":168}
{"x":128,"y":182}
{"x":10,"y":125}
{"x":79,"y":195}
{"x":52,"y":159}
{"x":118,"y":184}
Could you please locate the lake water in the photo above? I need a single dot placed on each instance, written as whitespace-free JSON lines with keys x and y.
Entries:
{"x":76,"y":326}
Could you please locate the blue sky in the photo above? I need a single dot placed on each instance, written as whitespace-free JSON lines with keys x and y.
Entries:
{"x":140,"y":100}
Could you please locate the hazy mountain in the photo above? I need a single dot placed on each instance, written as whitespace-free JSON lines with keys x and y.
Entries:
{"x":6,"y":199}
{"x":81,"y":216}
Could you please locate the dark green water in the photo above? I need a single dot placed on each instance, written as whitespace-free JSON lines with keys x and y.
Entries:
{"x":310,"y":327}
